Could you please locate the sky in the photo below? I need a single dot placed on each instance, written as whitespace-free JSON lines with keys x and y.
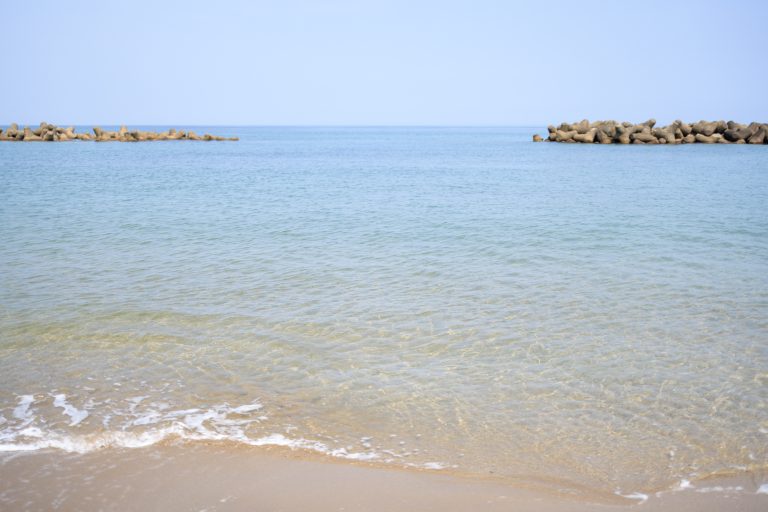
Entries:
{"x":390,"y":62}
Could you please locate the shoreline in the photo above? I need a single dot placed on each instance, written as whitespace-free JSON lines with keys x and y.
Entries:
{"x":221,"y":476}
{"x":749,"y":478}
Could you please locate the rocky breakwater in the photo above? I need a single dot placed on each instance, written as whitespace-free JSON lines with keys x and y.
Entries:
{"x":613,"y":132}
{"x":51,"y":133}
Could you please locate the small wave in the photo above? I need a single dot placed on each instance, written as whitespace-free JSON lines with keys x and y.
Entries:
{"x":77,"y":415}
{"x":218,"y":423}
{"x":188,"y":430}
{"x":305,"y":444}
{"x":245,"y":409}
{"x":83,"y":443}
{"x":720,"y":488}
{"x":152,"y":424}
{"x":639,"y":496}
{"x":21,"y":411}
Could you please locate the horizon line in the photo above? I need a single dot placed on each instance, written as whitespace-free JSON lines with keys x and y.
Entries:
{"x":302,"y":125}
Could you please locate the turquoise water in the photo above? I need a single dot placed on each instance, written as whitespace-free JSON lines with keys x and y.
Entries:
{"x":594,"y":317}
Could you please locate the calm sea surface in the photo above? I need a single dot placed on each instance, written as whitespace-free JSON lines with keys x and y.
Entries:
{"x":591,"y":316}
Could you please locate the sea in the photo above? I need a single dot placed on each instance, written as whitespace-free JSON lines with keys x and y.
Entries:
{"x":456,"y":299}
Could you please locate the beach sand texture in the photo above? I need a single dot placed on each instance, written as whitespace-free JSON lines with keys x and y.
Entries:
{"x":220,"y":478}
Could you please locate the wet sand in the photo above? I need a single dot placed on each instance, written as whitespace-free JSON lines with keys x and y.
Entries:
{"x":223,"y":477}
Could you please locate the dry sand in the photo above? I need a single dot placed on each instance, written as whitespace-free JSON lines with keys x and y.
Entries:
{"x":218,"y":477}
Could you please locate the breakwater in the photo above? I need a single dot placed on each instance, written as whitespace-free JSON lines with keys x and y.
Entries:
{"x":679,"y":132}
{"x":50,"y":133}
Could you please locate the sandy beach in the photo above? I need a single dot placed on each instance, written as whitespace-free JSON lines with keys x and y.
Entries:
{"x":220,"y":477}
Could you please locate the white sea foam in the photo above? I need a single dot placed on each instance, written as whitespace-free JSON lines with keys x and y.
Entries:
{"x":244,"y":409}
{"x":77,"y":415}
{"x":720,"y":488}
{"x":305,"y":444}
{"x":86,"y":443}
{"x":642,"y":498}
{"x":134,"y":401}
{"x":147,"y":419}
{"x":136,"y":422}
{"x":427,"y":465}
{"x":213,"y":424}
{"x":37,"y":440}
{"x":22,"y":410}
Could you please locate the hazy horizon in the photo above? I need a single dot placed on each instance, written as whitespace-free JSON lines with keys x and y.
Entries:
{"x":343,"y":63}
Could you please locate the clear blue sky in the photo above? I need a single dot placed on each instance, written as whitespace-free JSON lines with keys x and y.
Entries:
{"x":478,"y":62}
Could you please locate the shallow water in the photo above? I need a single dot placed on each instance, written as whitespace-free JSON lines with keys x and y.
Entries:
{"x":595,"y":317}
